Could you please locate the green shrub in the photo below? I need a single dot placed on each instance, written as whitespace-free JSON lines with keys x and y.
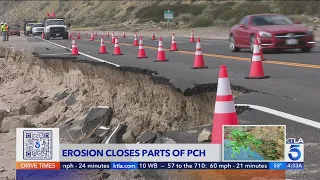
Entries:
{"x":312,"y":8}
{"x":91,"y":24}
{"x":186,"y":17}
{"x":129,"y":10}
{"x":43,"y":5}
{"x":291,"y":7}
{"x":201,"y":21}
{"x":300,"y":18}
{"x":220,"y":23}
{"x":232,"y":22}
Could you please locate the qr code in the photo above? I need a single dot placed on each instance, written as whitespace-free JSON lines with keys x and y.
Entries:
{"x":37,"y":145}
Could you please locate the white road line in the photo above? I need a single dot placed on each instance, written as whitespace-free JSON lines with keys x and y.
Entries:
{"x":206,"y":44}
{"x":284,"y":115}
{"x":87,"y":55}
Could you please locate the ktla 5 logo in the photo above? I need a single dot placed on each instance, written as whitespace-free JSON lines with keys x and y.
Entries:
{"x":294,"y":150}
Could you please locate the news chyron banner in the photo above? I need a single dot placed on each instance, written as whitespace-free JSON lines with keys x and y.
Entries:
{"x":39,"y":149}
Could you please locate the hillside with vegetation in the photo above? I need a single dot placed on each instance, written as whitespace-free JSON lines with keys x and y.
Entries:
{"x":147,"y":15}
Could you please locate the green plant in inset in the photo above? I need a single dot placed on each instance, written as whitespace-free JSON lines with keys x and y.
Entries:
{"x":241,"y":139}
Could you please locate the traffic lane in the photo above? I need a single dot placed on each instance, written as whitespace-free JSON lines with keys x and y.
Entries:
{"x":221,"y":47}
{"x":165,"y":69}
{"x":277,"y":72}
{"x":284,"y":82}
{"x":49,"y":51}
{"x":299,"y":107}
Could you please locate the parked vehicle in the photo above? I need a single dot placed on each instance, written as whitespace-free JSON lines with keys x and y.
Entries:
{"x":276,"y":32}
{"x":55,"y":27}
{"x":37,"y":29}
{"x":28,"y":23}
{"x":14,"y":30}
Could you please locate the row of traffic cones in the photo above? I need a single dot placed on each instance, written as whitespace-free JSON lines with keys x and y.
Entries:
{"x":224,"y":112}
{"x":256,"y":70}
{"x":161,"y":57}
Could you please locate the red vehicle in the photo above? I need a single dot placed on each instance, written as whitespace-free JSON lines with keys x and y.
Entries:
{"x":276,"y":32}
{"x":14,"y":30}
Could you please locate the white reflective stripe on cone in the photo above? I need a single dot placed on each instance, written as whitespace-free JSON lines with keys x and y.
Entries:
{"x":160,"y":43}
{"x":198,"y":53}
{"x":256,"y":49}
{"x":198,"y":45}
{"x":116,"y":41}
{"x":141,"y":46}
{"x":160,"y":49}
{"x":256,"y":58}
{"x":116,"y":45}
{"x":224,"y":107}
{"x":223,"y":87}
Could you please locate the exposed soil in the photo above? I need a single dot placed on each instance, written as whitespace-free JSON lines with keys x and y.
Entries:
{"x":28,"y":86}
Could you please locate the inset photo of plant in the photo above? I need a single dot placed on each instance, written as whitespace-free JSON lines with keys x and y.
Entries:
{"x":252,"y":142}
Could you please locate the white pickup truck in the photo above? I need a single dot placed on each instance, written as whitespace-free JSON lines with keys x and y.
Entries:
{"x":55,"y":27}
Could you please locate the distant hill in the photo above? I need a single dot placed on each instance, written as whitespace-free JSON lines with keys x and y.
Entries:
{"x":149,"y":14}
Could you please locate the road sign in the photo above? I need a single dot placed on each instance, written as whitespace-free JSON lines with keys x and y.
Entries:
{"x":168,"y":15}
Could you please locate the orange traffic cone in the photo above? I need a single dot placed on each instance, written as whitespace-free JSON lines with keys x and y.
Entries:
{"x":103,"y":49}
{"x":42,"y":36}
{"x":198,"y":58}
{"x":161,"y":57}
{"x":141,"y":51}
{"x":78,"y":37}
{"x":224,"y":111}
{"x":117,"y":50}
{"x":153,"y":36}
{"x":260,"y":47}
{"x":112,"y":38}
{"x":135,"y":40}
{"x":256,"y":71}
{"x":108,"y":35}
{"x":70,"y":35}
{"x":123,"y":35}
{"x":192,"y":38}
{"x":173,"y":44}
{"x":74,"y":48}
{"x":92,"y":37}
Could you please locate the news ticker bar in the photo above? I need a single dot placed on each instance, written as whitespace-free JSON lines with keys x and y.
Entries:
{"x":160,"y":165}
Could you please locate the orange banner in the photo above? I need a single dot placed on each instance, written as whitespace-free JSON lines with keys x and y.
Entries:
{"x":38,"y":165}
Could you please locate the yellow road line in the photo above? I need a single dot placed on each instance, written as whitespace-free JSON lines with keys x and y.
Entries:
{"x":313,"y":66}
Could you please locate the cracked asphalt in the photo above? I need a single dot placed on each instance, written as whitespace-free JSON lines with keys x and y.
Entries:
{"x":293,"y":88}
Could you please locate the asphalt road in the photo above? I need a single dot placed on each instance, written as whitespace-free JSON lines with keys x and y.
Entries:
{"x":293,"y":87}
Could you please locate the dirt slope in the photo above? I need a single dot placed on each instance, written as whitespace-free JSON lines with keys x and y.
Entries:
{"x":147,"y":15}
